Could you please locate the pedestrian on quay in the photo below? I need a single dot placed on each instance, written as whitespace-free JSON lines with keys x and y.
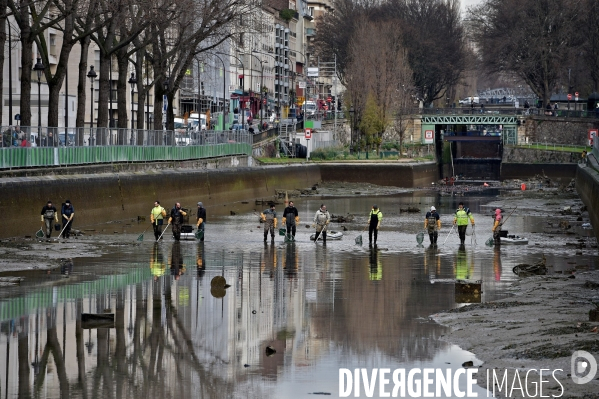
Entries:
{"x":290,"y":219}
{"x":269,"y":218}
{"x":176,"y":219}
{"x":201,"y":219}
{"x":321,"y":221}
{"x":461,"y":220}
{"x":432,"y":224}
{"x":49,"y":214}
{"x":497,"y":226}
{"x":157,"y":215}
{"x":68,"y":214}
{"x":5,"y":139}
{"x":374,"y":222}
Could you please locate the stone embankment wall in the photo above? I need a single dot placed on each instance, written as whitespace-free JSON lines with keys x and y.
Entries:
{"x":556,"y":130}
{"x":521,"y":163}
{"x":587,"y":186}
{"x":119,"y":195}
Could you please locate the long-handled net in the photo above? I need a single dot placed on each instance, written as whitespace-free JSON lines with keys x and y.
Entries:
{"x":420,"y":237}
{"x":141,"y":236}
{"x":40,"y":233}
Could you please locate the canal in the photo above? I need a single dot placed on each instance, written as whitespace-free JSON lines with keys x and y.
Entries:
{"x":294,"y":314}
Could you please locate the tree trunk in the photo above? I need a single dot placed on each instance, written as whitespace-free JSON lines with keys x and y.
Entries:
{"x":141,"y":90}
{"x":81,"y":87}
{"x":122,"y":61}
{"x":103,"y":95}
{"x":26,"y":67}
{"x":55,"y":84}
{"x":3,"y":21}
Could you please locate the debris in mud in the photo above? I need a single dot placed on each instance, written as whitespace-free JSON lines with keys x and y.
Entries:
{"x":410,"y":209}
{"x":525,"y":270}
{"x":270,"y":351}
{"x":342,"y":219}
{"x":591,"y":284}
{"x":468,"y":292}
{"x":469,"y":363}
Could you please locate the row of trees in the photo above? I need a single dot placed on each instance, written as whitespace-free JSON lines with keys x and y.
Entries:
{"x":551,"y":45}
{"x":391,"y":54}
{"x":166,"y":35}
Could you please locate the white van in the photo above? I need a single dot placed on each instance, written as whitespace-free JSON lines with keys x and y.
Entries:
{"x":310,"y":107}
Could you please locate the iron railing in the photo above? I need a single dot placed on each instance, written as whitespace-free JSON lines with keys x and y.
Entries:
{"x":97,"y":146}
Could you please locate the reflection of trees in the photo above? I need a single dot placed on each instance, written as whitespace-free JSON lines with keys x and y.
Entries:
{"x":158,"y":360}
{"x":383,"y":314}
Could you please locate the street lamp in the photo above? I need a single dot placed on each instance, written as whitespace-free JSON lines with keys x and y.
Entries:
{"x":39,"y":68}
{"x":165,"y":85}
{"x":279,"y":94}
{"x":351,"y":127}
{"x":132,"y":82}
{"x":91,"y":75}
{"x":306,"y":76}
{"x":261,"y":86}
{"x":224,"y":86}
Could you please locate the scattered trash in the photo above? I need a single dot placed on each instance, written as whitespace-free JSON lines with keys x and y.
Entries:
{"x":468,"y":291}
{"x":253,"y":312}
{"x":270,"y":351}
{"x":469,"y":363}
{"x":586,"y":226}
{"x":523,"y":269}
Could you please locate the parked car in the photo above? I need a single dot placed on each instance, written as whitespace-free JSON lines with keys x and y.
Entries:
{"x":470,"y":100}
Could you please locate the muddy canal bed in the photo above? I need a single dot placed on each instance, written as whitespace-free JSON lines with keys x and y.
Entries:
{"x":319,"y":307}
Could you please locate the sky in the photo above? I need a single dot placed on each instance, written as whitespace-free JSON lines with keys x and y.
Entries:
{"x":468,"y":3}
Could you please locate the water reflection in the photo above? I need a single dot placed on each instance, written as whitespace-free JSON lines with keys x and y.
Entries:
{"x":320,"y":308}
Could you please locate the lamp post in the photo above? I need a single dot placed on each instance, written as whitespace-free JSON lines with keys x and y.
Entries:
{"x":351,"y":127}
{"x":306,"y":75}
{"x":132,"y":82}
{"x":279,"y":94}
{"x":165,"y":86}
{"x":243,"y":74}
{"x":39,"y":68}
{"x":91,"y":75}
{"x":261,"y":86}
{"x":224,"y":86}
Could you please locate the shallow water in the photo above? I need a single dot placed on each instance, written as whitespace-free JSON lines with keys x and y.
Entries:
{"x":320,"y":307}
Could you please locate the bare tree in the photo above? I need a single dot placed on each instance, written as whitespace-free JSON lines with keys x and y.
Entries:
{"x":531,"y":39}
{"x":33,"y":18}
{"x":203,"y":26}
{"x":376,"y":76}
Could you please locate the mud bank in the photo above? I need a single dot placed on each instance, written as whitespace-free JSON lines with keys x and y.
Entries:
{"x":123,"y":195}
{"x":540,"y":327}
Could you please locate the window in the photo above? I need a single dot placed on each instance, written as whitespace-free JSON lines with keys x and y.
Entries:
{"x":311,"y":11}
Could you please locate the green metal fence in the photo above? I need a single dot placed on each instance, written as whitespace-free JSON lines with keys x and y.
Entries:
{"x":15,"y":158}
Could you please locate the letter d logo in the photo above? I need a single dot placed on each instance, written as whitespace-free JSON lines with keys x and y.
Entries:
{"x":581,"y":363}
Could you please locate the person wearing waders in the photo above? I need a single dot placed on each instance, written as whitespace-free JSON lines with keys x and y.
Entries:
{"x":201,"y":219}
{"x":461,"y":220}
{"x":321,"y":221}
{"x":432,"y":224}
{"x":290,"y":219}
{"x":157,"y":216}
{"x":68,"y":214}
{"x":176,"y":219}
{"x":49,"y":214}
{"x":269,"y":218}
{"x":374,"y":222}
{"x":497,"y":227}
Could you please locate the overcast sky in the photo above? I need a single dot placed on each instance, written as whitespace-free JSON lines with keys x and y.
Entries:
{"x":468,"y":3}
